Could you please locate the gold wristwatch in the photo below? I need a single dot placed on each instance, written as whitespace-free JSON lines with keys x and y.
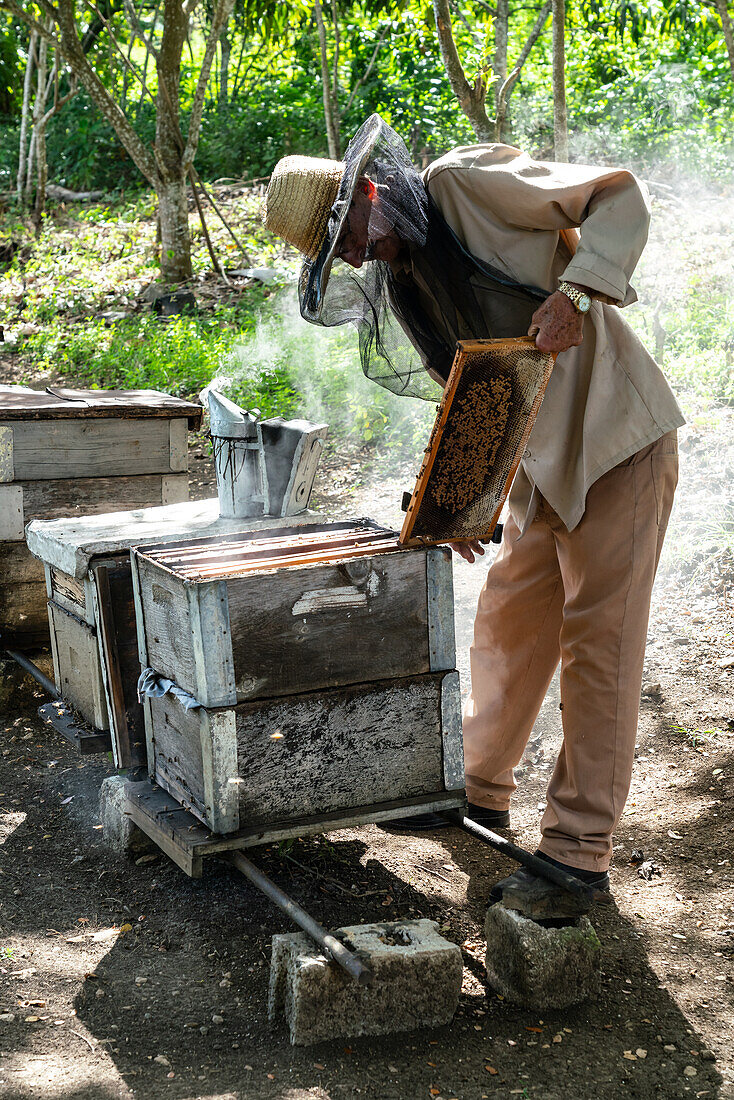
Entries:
{"x":581,"y":301}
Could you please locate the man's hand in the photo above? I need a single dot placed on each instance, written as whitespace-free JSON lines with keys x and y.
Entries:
{"x":557,"y":324}
{"x":468,"y":549}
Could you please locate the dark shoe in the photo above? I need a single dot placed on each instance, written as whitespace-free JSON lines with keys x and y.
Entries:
{"x":416,"y":823}
{"x":489,"y":819}
{"x":538,"y":899}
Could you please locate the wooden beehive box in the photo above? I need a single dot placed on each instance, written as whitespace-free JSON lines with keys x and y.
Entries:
{"x":91,"y":612}
{"x":78,"y":452}
{"x":321,"y":666}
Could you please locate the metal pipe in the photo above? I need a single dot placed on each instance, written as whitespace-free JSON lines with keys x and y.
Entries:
{"x":347,"y":959}
{"x":533,"y":863}
{"x":35,"y":672}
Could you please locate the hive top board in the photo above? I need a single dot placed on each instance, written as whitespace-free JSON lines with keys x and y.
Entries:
{"x":23,"y":403}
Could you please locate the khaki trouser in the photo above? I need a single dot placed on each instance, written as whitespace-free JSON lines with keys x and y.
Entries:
{"x":583,"y":597}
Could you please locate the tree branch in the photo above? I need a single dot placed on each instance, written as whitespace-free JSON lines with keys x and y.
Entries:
{"x":137,"y":26}
{"x":471,"y":97}
{"x":222,"y":13}
{"x":28,"y":19}
{"x":71,"y":49}
{"x":366,"y":74}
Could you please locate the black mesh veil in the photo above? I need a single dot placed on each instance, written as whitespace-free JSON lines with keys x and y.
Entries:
{"x":409,"y":313}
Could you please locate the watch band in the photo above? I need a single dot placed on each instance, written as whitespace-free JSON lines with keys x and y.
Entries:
{"x":581,"y":301}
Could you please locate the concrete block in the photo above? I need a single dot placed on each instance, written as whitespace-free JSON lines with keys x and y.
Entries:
{"x":417,"y":981}
{"x":118,"y":829}
{"x":541,"y":967}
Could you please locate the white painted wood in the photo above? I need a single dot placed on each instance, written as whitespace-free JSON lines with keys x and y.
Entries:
{"x":174,"y":488}
{"x":6,"y":454}
{"x":54,"y":650}
{"x":72,"y":595}
{"x":218,"y":738}
{"x":107,"y":694}
{"x":453,"y":743}
{"x":72,"y":544}
{"x":104,"y":447}
{"x":11,"y":513}
{"x":179,"y":443}
{"x":79,"y":669}
{"x":212,"y":644}
{"x":139,"y":616}
{"x":320,"y":599}
{"x":440,"y":584}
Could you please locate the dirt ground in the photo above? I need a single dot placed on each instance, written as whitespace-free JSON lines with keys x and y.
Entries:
{"x":124,"y":979}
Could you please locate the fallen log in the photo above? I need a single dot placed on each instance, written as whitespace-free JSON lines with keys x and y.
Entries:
{"x":62,"y":194}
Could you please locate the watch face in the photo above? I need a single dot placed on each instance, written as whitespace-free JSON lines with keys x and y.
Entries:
{"x":584,"y":303}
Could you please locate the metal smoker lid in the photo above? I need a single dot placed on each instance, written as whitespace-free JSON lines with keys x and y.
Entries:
{"x":229,"y":421}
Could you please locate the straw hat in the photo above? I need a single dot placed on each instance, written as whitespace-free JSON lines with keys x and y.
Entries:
{"x":300,"y":195}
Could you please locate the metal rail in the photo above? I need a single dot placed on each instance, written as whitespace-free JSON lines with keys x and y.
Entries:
{"x":347,"y":959}
{"x":28,"y":665}
{"x":533,"y":863}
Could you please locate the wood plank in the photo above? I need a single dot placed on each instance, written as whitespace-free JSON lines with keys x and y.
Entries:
{"x":329,"y":625}
{"x":90,"y":448}
{"x":165,"y":624}
{"x":7,"y":469}
{"x":174,"y":488}
{"x":178,"y":439}
{"x":72,"y":544}
{"x":453,"y":744}
{"x":12,"y":518}
{"x":188,"y":842}
{"x":302,"y":755}
{"x":334,"y":750}
{"x":177,"y":764}
{"x":79,"y":676}
{"x":61,"y":717}
{"x":70,"y":594}
{"x":440,"y":588}
{"x":120,"y":663}
{"x":84,"y":496}
{"x":24,"y":403}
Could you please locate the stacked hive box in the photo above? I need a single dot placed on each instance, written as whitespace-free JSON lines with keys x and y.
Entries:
{"x":87,"y":563}
{"x":320,"y":673}
{"x":76,"y":452}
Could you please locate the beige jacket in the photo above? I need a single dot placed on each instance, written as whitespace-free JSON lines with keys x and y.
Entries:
{"x":607,"y":398}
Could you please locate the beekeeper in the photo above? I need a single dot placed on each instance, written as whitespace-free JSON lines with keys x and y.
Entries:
{"x":490,"y":243}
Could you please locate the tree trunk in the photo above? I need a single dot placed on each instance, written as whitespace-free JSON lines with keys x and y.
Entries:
{"x":560,"y":118}
{"x":728,"y":33}
{"x":225,"y":46}
{"x":499,"y":57}
{"x":332,"y":132}
{"x":23,"y":151}
{"x":171,"y":184}
{"x":175,"y":239}
{"x":39,"y":110}
{"x":471,"y":97}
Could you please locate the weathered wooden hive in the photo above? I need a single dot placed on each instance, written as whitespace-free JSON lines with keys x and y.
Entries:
{"x":318,"y":667}
{"x":93,"y":636}
{"x":78,"y":452}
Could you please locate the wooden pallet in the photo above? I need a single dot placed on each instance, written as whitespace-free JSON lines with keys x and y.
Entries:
{"x":66,"y":722}
{"x":188,"y":843}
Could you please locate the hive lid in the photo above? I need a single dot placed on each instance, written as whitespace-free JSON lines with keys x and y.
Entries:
{"x":279,"y":548}
{"x":24,"y":403}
